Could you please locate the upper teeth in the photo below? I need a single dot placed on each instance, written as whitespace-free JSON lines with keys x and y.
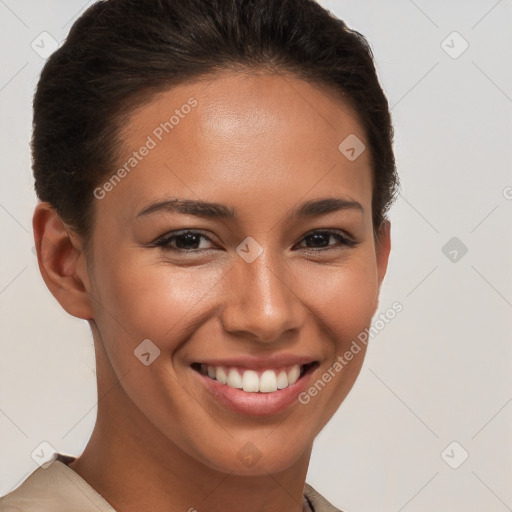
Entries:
{"x":250,"y":380}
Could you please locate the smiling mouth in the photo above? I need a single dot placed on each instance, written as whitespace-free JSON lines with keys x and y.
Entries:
{"x":254,"y":381}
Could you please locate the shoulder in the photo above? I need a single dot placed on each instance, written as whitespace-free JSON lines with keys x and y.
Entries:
{"x":28,"y":496}
{"x":319,"y":503}
{"x":57,"y":488}
{"x":54,"y":488}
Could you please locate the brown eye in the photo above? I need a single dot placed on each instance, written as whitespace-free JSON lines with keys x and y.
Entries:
{"x":320,"y":240}
{"x":186,"y":241}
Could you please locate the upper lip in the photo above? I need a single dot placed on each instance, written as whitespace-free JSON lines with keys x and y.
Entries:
{"x":260,"y":363}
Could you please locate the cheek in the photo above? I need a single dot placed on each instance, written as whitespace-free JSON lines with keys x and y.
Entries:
{"x":155,"y":301}
{"x":165,"y":303}
{"x":342,"y":301}
{"x":168,"y":304}
{"x":343,"y":297}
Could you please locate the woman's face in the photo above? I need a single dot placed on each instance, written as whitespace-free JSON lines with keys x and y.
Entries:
{"x":252,"y":288}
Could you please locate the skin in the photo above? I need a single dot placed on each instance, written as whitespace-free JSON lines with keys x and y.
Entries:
{"x":262,"y":144}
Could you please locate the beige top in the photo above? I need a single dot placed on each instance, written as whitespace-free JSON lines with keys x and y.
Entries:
{"x":57,"y":488}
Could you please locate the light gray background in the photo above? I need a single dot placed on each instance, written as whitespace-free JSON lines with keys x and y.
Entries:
{"x":438,"y":373}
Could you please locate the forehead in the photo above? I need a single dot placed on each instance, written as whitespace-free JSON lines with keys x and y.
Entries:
{"x":241,"y":136}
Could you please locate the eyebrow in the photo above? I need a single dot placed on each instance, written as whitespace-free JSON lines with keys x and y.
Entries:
{"x":215,"y":210}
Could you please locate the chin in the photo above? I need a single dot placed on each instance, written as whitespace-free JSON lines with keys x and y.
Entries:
{"x":259,"y":455}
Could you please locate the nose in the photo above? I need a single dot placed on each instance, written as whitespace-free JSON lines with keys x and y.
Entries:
{"x":262,"y":301}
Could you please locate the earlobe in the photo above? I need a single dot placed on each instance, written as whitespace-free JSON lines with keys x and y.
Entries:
{"x":61,"y":262}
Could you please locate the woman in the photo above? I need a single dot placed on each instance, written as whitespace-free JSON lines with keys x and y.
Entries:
{"x":213,"y":179}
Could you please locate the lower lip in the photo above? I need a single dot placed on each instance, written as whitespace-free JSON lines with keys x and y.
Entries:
{"x":256,"y":404}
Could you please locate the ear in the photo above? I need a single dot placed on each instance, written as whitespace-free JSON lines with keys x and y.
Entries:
{"x":61,"y":261}
{"x":382,"y":249}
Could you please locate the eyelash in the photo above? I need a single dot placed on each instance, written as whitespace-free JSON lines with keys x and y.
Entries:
{"x":165,"y":242}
